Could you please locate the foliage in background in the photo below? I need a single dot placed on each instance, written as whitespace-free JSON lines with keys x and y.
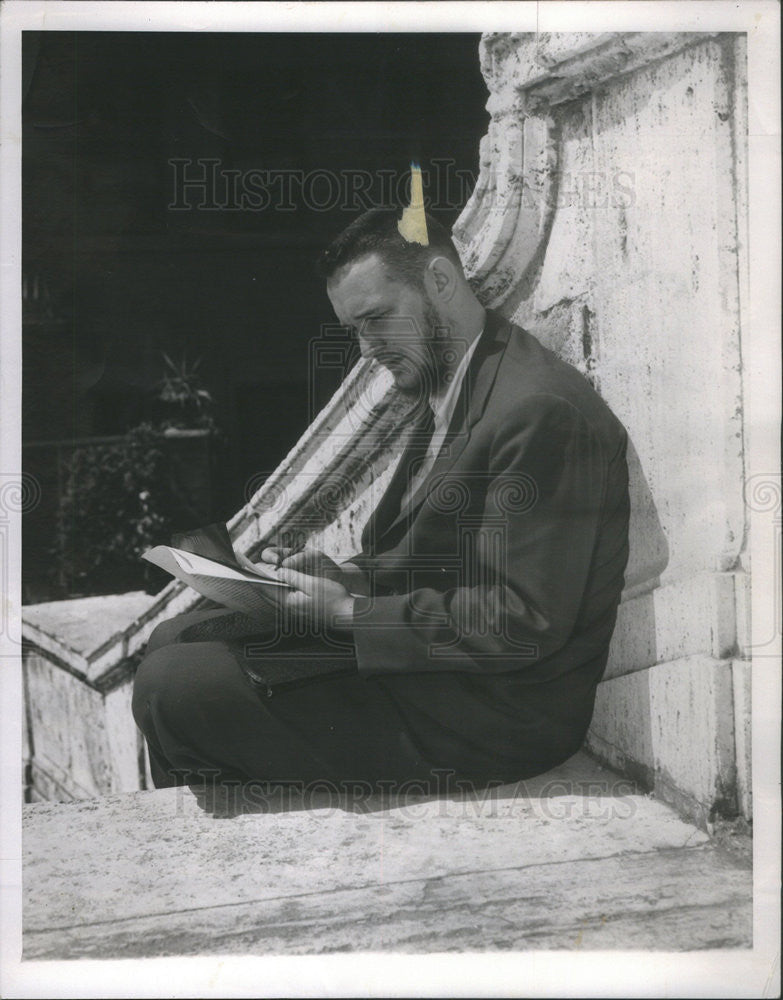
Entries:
{"x":182,"y":400}
{"x":118,"y":501}
{"x":124,"y":496}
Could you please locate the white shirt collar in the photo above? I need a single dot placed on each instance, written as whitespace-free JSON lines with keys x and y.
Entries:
{"x":443,"y":403}
{"x":443,"y":406}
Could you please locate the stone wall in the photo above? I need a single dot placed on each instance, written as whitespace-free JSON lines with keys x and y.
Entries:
{"x":609,"y":220}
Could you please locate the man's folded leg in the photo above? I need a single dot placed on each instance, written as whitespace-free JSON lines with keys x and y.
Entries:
{"x":273,"y":650}
{"x":204,"y":722}
{"x":277,"y":707}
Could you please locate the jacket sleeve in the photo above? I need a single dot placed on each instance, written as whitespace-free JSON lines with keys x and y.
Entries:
{"x":524,"y":567}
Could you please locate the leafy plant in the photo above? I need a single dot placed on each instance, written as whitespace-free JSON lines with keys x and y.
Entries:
{"x":187,"y":403}
{"x":122,"y":497}
{"x":118,"y":501}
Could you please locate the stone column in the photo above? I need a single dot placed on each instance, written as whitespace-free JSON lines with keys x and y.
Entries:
{"x":609,"y":220}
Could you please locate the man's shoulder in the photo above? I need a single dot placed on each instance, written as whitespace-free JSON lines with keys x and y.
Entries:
{"x":537,"y":369}
{"x":532,"y":377}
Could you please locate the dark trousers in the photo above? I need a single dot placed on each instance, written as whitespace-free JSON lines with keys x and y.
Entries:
{"x":204,"y":720}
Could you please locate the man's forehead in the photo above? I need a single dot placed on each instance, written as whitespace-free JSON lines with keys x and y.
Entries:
{"x":363,"y":286}
{"x":363,"y":270}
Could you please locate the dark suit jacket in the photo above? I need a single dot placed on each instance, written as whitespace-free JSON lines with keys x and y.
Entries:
{"x":495,"y":589}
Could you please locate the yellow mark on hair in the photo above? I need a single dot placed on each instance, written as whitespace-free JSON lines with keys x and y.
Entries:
{"x":413,"y":224}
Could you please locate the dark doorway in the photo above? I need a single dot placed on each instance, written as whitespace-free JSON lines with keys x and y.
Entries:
{"x":176,"y":190}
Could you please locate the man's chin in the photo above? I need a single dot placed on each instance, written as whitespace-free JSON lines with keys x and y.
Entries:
{"x":410,"y":386}
{"x":412,"y":382}
{"x":405,"y":381}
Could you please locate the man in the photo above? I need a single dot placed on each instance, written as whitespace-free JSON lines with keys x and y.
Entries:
{"x":469,"y":634}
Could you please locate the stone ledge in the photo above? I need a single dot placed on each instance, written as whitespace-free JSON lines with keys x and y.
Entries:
{"x":671,"y":727}
{"x":697,"y":615}
{"x":79,"y":740}
{"x":574,"y":859}
{"x":85,"y":624}
{"x":75,"y":630}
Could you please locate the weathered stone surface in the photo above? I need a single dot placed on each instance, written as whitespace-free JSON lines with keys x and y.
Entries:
{"x":673,"y":726}
{"x":639,"y":287}
{"x":621,"y":731}
{"x":678,"y":900}
{"x":576,"y":858}
{"x":125,"y":742}
{"x":70,"y":756}
{"x":550,"y":67}
{"x":742,"y":690}
{"x":643,"y":243}
{"x":693,"y":730}
{"x":669,"y":622}
{"x":86,"y":623}
{"x":342,"y":538}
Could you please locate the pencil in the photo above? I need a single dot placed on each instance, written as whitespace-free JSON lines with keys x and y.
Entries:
{"x":295,"y":552}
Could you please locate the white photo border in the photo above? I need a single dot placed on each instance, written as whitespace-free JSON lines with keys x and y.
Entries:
{"x":715,"y":973}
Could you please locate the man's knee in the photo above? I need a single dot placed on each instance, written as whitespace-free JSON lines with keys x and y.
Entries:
{"x":165,"y":633}
{"x":158,"y":679}
{"x":179,"y":679}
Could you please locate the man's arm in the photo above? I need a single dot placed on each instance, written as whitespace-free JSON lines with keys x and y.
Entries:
{"x":354,"y":579}
{"x":524,"y":575}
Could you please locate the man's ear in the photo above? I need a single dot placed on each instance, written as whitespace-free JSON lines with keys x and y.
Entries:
{"x":442,"y":278}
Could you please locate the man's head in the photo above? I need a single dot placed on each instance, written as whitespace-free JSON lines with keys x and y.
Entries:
{"x":376,"y":232}
{"x":404,"y":300}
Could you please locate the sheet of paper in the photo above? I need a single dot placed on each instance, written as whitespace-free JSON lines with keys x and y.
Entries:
{"x":195,"y":564}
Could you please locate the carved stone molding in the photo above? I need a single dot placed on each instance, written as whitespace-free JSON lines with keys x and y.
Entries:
{"x":503,"y":231}
{"x":557,"y":67}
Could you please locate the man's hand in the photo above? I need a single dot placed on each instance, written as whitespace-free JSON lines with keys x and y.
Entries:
{"x":313,"y":562}
{"x":318,"y":599}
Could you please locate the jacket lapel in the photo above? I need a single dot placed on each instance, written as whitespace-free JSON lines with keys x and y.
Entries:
{"x":385,"y":508}
{"x":476,"y":386}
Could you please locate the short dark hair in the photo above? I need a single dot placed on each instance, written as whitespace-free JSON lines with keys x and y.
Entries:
{"x":375,"y":231}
